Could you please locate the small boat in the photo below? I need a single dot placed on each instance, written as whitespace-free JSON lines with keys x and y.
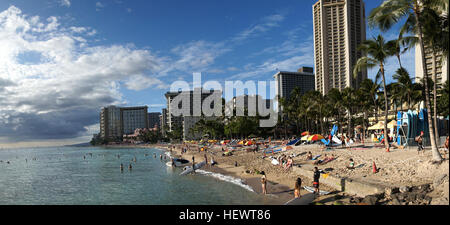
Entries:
{"x":178,"y":162}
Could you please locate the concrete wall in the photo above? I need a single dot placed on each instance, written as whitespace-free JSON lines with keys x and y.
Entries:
{"x":347,"y":185}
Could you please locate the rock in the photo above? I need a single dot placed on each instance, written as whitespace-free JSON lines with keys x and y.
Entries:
{"x":370,"y":200}
{"x":404,"y":189}
{"x":410,"y":197}
{"x":396,"y":201}
{"x":420,"y":196}
{"x":389,"y":191}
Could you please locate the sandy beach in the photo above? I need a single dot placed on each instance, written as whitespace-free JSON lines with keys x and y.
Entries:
{"x":398,"y":168}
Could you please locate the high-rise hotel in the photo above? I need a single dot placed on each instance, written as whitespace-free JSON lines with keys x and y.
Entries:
{"x":339,"y":28}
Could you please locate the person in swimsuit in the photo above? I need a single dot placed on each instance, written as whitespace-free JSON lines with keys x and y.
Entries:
{"x":263,"y":182}
{"x":298,"y":185}
{"x":419,"y":140}
{"x":316,"y":180}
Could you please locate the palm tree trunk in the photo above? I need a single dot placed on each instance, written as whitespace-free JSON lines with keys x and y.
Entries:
{"x":436,"y":155}
{"x":364,"y":127}
{"x":386,"y":111}
{"x":349,"y":123}
{"x":435,"y":119}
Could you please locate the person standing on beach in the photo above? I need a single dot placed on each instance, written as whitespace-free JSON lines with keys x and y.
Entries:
{"x":298,"y":185}
{"x":206,"y":159}
{"x":193,"y":164}
{"x":316,"y":180}
{"x":445,"y":146}
{"x":263,"y":182}
{"x":419,"y":140}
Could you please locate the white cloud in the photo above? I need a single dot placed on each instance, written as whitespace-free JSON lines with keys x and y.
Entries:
{"x":65,"y":3}
{"x":56,"y":81}
{"x":99,"y":6}
{"x":266,"y":24}
{"x":141,"y":82}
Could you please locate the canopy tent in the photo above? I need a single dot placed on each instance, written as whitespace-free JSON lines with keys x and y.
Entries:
{"x":378,"y":126}
{"x":392,"y":124}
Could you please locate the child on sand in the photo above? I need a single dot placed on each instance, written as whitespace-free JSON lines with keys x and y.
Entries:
{"x":351,"y":165}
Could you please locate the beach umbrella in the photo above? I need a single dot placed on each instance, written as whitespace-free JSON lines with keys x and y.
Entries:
{"x":315,"y":137}
{"x":304,"y":138}
{"x":304,"y":133}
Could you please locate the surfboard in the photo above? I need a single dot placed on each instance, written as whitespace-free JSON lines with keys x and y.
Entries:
{"x":311,"y":189}
{"x":188,"y":169}
{"x":336,"y":140}
{"x":303,"y":200}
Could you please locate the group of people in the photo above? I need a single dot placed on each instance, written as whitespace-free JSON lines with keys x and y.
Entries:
{"x":285,"y":161}
{"x":298,"y":183}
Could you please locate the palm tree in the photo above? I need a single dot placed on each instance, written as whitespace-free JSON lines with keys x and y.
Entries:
{"x":391,"y":12}
{"x":443,"y":100}
{"x":365,"y":103}
{"x":436,"y":36}
{"x":409,"y":89}
{"x":335,"y":101}
{"x":371,"y":89}
{"x":348,"y":101}
{"x":377,"y":51}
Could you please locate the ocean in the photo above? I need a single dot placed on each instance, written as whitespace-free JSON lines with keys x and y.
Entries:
{"x":92,"y":176}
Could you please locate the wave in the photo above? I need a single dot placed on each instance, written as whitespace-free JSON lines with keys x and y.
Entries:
{"x":226,"y":178}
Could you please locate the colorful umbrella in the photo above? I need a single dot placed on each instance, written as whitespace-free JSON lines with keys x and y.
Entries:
{"x":304,"y":133}
{"x":315,"y":137}
{"x":304,"y":138}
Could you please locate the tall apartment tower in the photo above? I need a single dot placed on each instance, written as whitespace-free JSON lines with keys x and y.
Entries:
{"x":339,"y":28}
{"x":436,"y":63}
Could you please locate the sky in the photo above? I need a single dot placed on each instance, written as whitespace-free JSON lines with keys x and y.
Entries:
{"x":61,"y":61}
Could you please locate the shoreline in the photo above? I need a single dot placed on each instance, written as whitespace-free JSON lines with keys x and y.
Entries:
{"x":397,"y":169}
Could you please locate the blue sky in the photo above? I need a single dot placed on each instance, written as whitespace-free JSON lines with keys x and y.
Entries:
{"x":80,"y":55}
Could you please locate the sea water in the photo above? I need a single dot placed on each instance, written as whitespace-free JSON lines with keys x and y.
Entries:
{"x":92,"y":176}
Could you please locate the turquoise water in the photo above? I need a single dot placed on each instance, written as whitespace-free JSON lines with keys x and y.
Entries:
{"x":62,"y":176}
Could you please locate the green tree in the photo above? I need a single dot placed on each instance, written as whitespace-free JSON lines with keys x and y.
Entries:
{"x":377,"y":51}
{"x":391,"y":12}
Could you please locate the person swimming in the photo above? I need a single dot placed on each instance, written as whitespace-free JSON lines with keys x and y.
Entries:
{"x":130,"y":167}
{"x":121,"y":167}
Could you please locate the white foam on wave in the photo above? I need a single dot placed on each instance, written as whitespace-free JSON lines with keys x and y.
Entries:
{"x":226,"y":178}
